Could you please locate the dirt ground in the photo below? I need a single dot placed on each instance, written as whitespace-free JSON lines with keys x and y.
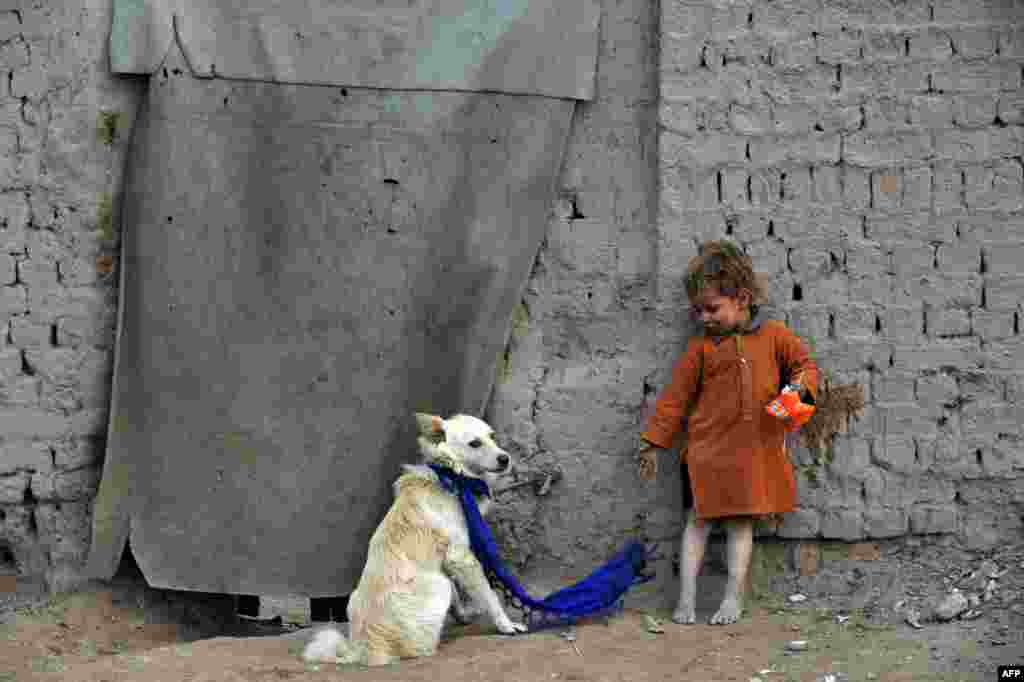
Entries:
{"x":122,"y":630}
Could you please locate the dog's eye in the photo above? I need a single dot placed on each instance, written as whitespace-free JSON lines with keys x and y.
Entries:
{"x":475,"y":443}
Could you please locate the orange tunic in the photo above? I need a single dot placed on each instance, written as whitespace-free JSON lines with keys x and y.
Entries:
{"x":735,"y":451}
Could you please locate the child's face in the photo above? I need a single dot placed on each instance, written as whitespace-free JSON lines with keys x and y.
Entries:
{"x":720,"y":313}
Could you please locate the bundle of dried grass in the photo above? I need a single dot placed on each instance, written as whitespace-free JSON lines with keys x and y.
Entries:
{"x":834,"y":405}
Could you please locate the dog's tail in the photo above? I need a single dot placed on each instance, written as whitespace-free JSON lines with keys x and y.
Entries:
{"x":330,"y":646}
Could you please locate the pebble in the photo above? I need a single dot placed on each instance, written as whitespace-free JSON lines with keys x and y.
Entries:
{"x":797,"y":645}
{"x":831,"y":677}
{"x":797,"y":598}
{"x":913,"y":619}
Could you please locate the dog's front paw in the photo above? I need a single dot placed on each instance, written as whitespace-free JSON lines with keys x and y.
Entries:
{"x":511,"y":628}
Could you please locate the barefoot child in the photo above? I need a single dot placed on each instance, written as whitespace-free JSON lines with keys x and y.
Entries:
{"x":734,"y":465}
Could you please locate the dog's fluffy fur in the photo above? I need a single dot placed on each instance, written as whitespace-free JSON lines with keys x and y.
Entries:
{"x":419,"y":560}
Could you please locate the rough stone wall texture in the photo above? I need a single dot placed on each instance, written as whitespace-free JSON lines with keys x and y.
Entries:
{"x":64,"y":128}
{"x":868,"y":155}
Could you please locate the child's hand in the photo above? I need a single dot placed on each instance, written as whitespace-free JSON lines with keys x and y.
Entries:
{"x":788,"y":407}
{"x":648,"y":461}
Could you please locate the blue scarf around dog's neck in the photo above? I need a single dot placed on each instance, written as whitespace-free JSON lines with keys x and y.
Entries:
{"x":600,"y":593}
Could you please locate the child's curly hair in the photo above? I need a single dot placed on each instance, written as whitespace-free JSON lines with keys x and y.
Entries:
{"x":722,"y":265}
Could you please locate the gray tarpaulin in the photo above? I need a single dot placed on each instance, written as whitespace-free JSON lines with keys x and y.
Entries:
{"x":305,"y":266}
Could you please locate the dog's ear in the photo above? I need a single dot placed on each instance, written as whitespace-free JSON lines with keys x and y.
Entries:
{"x":430,"y":426}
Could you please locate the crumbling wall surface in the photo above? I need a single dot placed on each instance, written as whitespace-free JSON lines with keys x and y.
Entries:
{"x":64,"y":129}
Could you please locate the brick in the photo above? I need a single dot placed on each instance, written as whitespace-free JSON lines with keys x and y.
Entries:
{"x":931,"y":111}
{"x":886,"y":189}
{"x":767,"y":256}
{"x":13,"y":488}
{"x":992,"y":325}
{"x":887,"y":115}
{"x":8,"y":270}
{"x":802,"y":522}
{"x":936,"y":389}
{"x":940,"y":290}
{"x":1004,"y":292}
{"x":856,"y":187}
{"x":1005,"y":356}
{"x":854,"y":355}
{"x":997,"y":187}
{"x":786,"y":16}
{"x":28,"y":334}
{"x":931,"y":43}
{"x":912,"y":259}
{"x":793,"y":118}
{"x":1003,"y":258}
{"x":842,"y":524}
{"x":884,"y":43}
{"x":947,"y":188}
{"x":972,"y":146}
{"x":903,"y":420}
{"x":884,"y":78}
{"x":976,"y":11}
{"x":1011,"y":108}
{"x":860,"y":149}
{"x":76,"y":453}
{"x":765,"y":186}
{"x":974,"y":42}
{"x":949,"y":322}
{"x":854,"y":321}
{"x":704,"y":151}
{"x":876,"y":290}
{"x":835,"y":117}
{"x":991,"y":228}
{"x":734,"y":187}
{"x":827,"y":186}
{"x":902,"y":323}
{"x":80,"y":484}
{"x":13,"y":300}
{"x":24,"y":456}
{"x":898,"y":12}
{"x":980,"y":386}
{"x":917,"y":188}
{"x":794,"y":53}
{"x":973,"y":111}
{"x":971,"y":77}
{"x":991,"y":418}
{"x":894,"y":386}
{"x":796,"y":186}
{"x":1011,"y":42}
{"x":811,"y":149}
{"x":755,"y":119}
{"x":959,"y":259}
{"x":955,"y":353}
{"x":65,"y":530}
{"x":840,"y":46}
{"x":926,"y":519}
{"x":885,"y":523}
{"x":910,"y":227}
{"x":680,"y":51}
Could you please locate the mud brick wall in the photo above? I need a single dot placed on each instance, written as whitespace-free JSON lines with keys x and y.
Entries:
{"x":868,"y":156}
{"x":64,"y":124}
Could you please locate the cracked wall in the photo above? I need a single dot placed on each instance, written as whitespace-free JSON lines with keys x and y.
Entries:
{"x":868,"y":159}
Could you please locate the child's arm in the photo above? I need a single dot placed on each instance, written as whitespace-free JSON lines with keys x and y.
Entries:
{"x":673,"y":401}
{"x":798,"y":365}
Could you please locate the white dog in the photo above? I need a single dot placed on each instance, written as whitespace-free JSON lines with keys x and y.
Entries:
{"x":418,"y":551}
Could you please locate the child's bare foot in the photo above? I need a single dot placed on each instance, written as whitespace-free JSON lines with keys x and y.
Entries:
{"x":728,"y":612}
{"x":684,"y":614}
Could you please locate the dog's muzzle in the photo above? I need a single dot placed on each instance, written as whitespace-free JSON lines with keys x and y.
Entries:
{"x":504,"y":464}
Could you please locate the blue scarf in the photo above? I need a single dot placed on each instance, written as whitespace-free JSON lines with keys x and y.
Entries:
{"x":599,"y":594}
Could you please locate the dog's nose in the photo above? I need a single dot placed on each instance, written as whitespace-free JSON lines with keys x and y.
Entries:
{"x":504,"y":461}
